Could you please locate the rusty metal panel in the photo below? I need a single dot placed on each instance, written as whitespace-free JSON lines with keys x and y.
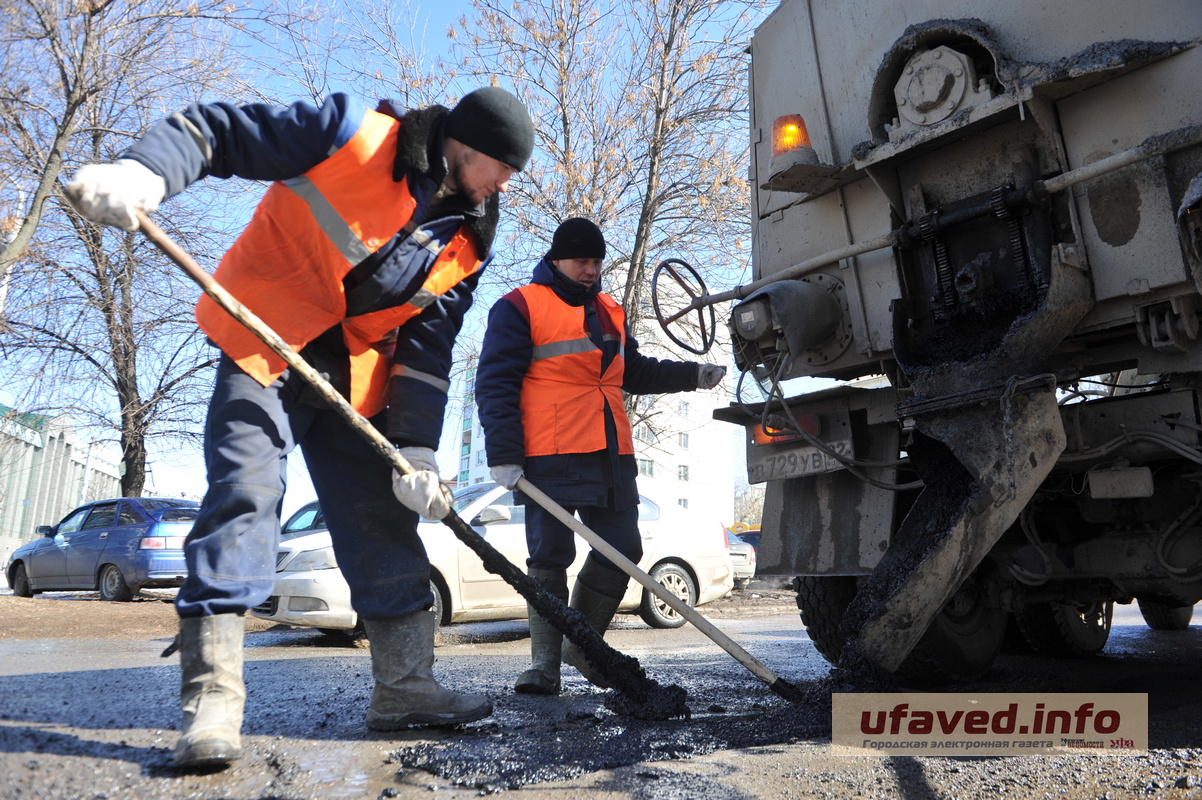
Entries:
{"x":1173,"y":415}
{"x":1128,"y":219}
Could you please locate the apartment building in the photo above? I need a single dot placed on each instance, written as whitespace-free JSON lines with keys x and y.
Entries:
{"x":45,"y":471}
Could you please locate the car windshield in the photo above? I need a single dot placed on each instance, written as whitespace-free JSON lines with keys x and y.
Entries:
{"x":469,"y":494}
{"x":310,"y":519}
{"x":304,"y":522}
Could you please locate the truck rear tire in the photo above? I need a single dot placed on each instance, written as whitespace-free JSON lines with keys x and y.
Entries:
{"x":822,"y":602}
{"x":960,"y":645}
{"x":962,"y":642}
{"x":1165,"y":618}
{"x":1066,"y":631}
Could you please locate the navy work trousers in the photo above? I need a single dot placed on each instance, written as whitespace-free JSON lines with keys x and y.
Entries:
{"x":552,"y":545}
{"x":249,"y":432}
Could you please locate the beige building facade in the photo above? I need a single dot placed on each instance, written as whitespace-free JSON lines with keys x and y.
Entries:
{"x":45,"y":471}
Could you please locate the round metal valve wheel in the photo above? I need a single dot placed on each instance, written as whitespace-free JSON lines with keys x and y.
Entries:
{"x":694,"y":330}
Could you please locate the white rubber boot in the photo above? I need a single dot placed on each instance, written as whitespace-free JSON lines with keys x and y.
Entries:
{"x":212,"y":694}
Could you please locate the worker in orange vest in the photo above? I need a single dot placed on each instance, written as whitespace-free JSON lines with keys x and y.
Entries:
{"x":363,"y":255}
{"x":556,"y":358}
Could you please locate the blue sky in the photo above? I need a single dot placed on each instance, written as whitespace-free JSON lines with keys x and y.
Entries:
{"x":181,"y":471}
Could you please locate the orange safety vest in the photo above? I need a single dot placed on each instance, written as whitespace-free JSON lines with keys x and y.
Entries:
{"x":564,"y":394}
{"x":306,"y":235}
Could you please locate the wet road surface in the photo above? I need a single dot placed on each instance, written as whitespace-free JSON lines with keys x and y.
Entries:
{"x":96,"y":718}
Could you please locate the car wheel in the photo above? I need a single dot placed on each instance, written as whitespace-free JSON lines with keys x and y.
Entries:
{"x":654,"y":611}
{"x":348,"y":637}
{"x":1161,"y":617}
{"x":438,"y":607}
{"x":961,"y":643}
{"x":21,"y":582}
{"x":113,"y":586}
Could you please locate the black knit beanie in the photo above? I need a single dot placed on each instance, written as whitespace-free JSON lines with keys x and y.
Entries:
{"x":494,"y":122}
{"x":577,"y":238}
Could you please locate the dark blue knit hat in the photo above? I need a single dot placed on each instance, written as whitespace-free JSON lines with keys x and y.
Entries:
{"x":494,"y":122}
{"x":577,"y":238}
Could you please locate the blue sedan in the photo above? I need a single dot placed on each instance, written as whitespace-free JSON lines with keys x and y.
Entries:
{"x":116,"y":546}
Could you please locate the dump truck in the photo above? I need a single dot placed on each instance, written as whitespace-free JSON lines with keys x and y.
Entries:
{"x":982,"y":223}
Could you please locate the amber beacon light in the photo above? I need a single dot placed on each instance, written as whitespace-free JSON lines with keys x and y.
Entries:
{"x":789,"y":134}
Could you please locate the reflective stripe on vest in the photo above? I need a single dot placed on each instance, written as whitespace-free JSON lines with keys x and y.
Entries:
{"x":564,"y":393}
{"x":306,"y":235}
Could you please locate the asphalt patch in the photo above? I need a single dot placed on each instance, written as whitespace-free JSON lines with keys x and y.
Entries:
{"x":497,"y":757}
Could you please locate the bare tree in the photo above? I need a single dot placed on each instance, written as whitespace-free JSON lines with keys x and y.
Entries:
{"x":640,"y":110}
{"x":97,"y":323}
{"x":374,"y":48}
{"x":749,"y":503}
{"x":64,"y":58}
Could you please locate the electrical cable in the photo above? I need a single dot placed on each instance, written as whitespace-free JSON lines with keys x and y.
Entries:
{"x":1082,"y":393}
{"x":1183,"y":522}
{"x":1118,"y":385}
{"x":850,"y":464}
{"x":1128,"y":437}
{"x":1025,"y":576}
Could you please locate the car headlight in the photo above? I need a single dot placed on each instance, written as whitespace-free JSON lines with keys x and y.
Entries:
{"x":321,"y":558}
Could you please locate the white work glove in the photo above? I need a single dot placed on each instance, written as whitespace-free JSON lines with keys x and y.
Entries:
{"x":421,"y":491}
{"x":507,"y":474}
{"x":112,"y":193}
{"x":709,"y":375}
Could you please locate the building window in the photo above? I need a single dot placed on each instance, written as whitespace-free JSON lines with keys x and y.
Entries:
{"x":683,"y":439}
{"x":465,"y":463}
{"x":480,"y":457}
{"x":682,"y":472}
{"x":646,"y":467}
{"x":683,"y":408}
{"x":643,"y":433}
{"x":683,"y":502}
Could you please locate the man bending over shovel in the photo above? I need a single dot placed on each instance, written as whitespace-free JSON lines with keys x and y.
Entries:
{"x":363,"y":255}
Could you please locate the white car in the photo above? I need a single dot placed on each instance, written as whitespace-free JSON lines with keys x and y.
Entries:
{"x":687,"y":555}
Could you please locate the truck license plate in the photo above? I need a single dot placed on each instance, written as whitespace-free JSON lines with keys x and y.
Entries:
{"x":777,"y":462}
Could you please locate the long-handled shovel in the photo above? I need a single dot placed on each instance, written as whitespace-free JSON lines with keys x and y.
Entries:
{"x":645,"y":697}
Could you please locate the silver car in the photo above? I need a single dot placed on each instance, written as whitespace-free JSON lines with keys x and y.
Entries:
{"x":683,"y":553}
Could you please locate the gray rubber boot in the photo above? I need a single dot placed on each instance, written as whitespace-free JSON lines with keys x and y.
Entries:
{"x":597,"y":594}
{"x":212,"y":693}
{"x":402,"y":662}
{"x":545,"y":639}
